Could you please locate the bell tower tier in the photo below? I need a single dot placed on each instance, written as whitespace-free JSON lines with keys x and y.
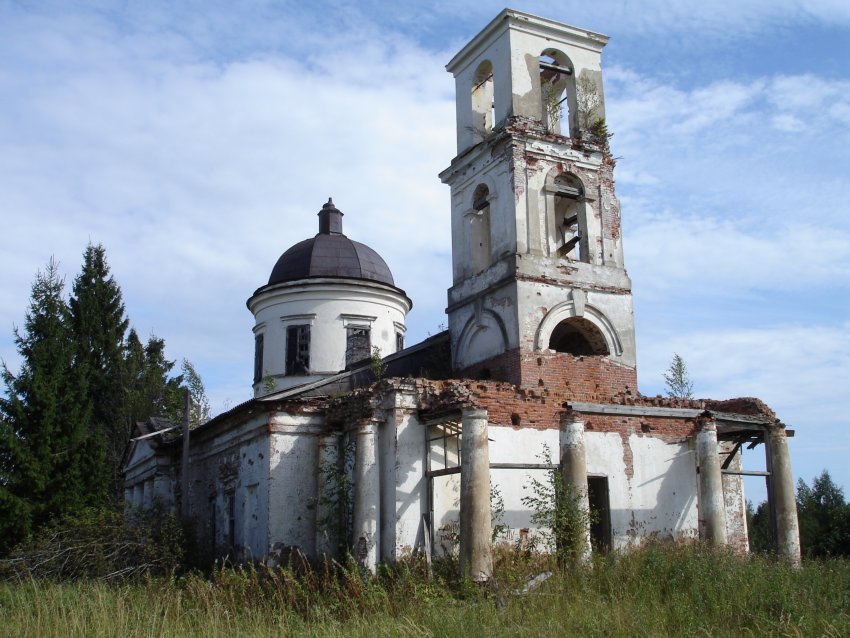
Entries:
{"x":540,"y":294}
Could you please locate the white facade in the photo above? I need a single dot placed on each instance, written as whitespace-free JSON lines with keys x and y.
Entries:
{"x":330,"y":307}
{"x":322,"y":461}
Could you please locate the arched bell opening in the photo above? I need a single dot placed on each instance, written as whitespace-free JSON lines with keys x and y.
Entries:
{"x":579,"y":337}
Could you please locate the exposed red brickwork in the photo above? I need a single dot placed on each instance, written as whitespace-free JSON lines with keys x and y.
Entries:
{"x":505,"y":402}
{"x":561,"y":376}
{"x":743,"y":405}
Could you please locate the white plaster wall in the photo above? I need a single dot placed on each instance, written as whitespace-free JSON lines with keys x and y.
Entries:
{"x":148,"y":478}
{"x":328,"y":306}
{"x":735,"y":501}
{"x":252,"y":499}
{"x":404,"y":483}
{"x":664,"y":490}
{"x":659,"y":499}
{"x":293,"y":468}
{"x":232,"y":463}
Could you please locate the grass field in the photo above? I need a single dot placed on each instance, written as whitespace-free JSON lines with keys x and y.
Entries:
{"x":656,"y":591}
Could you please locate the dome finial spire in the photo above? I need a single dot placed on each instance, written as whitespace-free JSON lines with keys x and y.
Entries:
{"x":330,"y":219}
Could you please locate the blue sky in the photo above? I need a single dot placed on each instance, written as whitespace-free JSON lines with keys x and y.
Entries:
{"x":197,"y":141}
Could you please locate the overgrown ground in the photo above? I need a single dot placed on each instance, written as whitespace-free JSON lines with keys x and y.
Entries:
{"x":657,"y":591}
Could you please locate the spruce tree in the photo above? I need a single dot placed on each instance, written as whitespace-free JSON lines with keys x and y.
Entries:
{"x":148,"y":388}
{"x":99,"y":324}
{"x":45,"y":459}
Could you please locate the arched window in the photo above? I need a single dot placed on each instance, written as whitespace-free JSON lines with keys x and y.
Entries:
{"x":557,"y":92}
{"x":569,"y":240}
{"x":483,"y":108}
{"x":578,"y":336}
{"x":479,"y":230}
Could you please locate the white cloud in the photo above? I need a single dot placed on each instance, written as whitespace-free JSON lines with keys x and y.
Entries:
{"x":723,"y":258}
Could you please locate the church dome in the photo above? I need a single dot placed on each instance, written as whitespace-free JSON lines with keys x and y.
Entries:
{"x":330,"y":254}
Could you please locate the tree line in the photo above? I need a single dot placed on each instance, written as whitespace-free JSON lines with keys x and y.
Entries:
{"x":823,"y":516}
{"x":67,"y":415}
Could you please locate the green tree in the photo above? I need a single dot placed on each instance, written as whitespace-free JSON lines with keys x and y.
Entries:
{"x":679,"y":384}
{"x":199,"y":405}
{"x":98,"y":323}
{"x":824,"y":518}
{"x":758,"y":527}
{"x":149,"y":390}
{"x":45,"y":444}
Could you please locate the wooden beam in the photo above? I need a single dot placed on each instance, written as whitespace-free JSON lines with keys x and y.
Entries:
{"x":731,"y":456}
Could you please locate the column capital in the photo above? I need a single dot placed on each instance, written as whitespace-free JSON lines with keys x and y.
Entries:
{"x":707,"y":422}
{"x":367,"y":426}
{"x":473,"y":412}
{"x":570,"y":416}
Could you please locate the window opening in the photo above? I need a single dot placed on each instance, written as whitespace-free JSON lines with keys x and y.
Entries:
{"x":600,"y":510}
{"x":358,"y":346}
{"x":569,"y":196}
{"x":399,"y":342}
{"x":479,"y":230}
{"x":258,"y":358}
{"x":298,"y":349}
{"x":555,"y":73}
{"x":483,"y":107}
{"x":579,"y":337}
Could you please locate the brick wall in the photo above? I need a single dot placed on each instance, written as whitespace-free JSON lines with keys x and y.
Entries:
{"x":558,"y":374}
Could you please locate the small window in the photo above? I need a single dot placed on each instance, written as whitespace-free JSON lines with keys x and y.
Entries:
{"x":399,"y":341}
{"x":358,"y":345}
{"x":258,"y":358}
{"x":298,"y":349}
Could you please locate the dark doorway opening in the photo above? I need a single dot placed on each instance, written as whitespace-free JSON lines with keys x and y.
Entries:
{"x":600,"y":512}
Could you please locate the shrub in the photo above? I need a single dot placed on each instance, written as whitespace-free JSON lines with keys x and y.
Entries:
{"x":102,"y":543}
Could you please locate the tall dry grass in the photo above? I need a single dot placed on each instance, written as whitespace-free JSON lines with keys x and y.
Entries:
{"x":655,"y":591}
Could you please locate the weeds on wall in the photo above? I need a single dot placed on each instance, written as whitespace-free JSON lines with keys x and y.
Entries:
{"x":377,"y":364}
{"x":587,"y":101}
{"x":497,"y":513}
{"x":269,"y":383}
{"x":557,"y":510}
{"x":335,"y":504}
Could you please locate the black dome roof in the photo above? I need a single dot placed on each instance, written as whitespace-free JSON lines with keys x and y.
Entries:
{"x":330,"y":254}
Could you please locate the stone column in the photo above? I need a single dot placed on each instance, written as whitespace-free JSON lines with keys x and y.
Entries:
{"x":573,"y":466}
{"x":782,"y":492}
{"x":476,"y":560}
{"x":328,"y":493}
{"x":367,"y":496}
{"x":712,"y":507}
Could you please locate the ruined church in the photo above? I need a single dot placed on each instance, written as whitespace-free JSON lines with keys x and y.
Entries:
{"x":342,"y":450}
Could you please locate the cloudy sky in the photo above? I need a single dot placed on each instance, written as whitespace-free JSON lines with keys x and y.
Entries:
{"x":197,"y":140}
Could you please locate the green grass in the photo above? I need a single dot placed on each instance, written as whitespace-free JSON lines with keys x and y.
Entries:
{"x":656,"y":591}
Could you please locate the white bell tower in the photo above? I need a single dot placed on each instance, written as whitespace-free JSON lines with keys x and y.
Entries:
{"x":540,"y":294}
